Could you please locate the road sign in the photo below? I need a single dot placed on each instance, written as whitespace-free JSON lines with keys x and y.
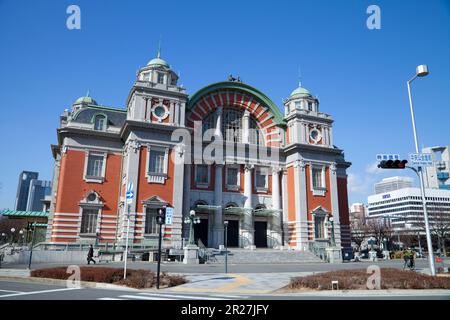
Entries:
{"x":421,"y":159}
{"x":386,"y":157}
{"x":169,"y":215}
{"x":129,"y":193}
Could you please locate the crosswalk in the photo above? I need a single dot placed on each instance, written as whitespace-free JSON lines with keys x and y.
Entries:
{"x":171,"y":296}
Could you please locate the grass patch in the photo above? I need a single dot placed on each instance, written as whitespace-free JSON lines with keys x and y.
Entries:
{"x":138,"y":279}
{"x":357,"y":280}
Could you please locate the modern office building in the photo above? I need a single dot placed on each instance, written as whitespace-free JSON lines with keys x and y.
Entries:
{"x":393,"y":183}
{"x":404,"y":211}
{"x":23,"y":188}
{"x":438,"y":175}
{"x":38,"y":190}
{"x":358,"y":211}
{"x":276,"y":178}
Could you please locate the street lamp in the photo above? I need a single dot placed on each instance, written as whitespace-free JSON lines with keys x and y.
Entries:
{"x":191,"y":220}
{"x":421,"y":71}
{"x":21,"y":236}
{"x":226,"y":245}
{"x":12,"y":236}
{"x":333,"y":241}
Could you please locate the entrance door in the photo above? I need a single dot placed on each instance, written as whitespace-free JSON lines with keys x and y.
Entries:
{"x":233,"y":233}
{"x":201,"y":232}
{"x":261,"y":234}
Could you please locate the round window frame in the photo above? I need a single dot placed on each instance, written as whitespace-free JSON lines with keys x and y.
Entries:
{"x":164,"y":116}
{"x":319,"y":135}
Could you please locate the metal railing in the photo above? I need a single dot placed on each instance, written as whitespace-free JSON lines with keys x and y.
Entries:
{"x":318,"y":249}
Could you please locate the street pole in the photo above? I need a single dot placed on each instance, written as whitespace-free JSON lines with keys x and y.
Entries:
{"x":159,"y":256}
{"x":32,"y":242}
{"x":422,"y":186}
{"x":126,"y":243}
{"x":226,"y":246}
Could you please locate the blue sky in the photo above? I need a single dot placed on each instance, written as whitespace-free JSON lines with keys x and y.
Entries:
{"x":359,"y":74}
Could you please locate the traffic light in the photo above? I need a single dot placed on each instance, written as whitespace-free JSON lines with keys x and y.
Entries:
{"x":161,"y":216}
{"x":393,"y":164}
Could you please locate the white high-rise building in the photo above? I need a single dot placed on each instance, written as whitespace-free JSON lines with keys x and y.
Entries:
{"x":403,"y":208}
{"x":393,"y":183}
{"x":438,"y":175}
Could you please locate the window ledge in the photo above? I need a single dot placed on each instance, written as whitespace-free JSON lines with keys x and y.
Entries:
{"x":202,"y":185}
{"x":87,"y":235}
{"x":156,"y":178}
{"x":94,"y":179}
{"x":234,"y":188}
{"x":262,"y":189}
{"x":319,"y":192}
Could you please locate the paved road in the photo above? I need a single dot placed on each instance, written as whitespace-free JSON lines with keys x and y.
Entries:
{"x":176,"y":267}
{"x":25,"y":290}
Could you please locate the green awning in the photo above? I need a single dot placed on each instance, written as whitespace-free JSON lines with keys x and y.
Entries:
{"x":265,"y":212}
{"x":237,"y":210}
{"x":24,"y":214}
{"x":206,"y":208}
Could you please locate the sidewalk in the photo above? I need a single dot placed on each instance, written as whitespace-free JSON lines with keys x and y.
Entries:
{"x":248,"y":283}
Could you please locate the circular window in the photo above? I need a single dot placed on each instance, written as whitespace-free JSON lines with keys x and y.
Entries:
{"x":91,"y":197}
{"x":315,"y":135}
{"x":159,"y":112}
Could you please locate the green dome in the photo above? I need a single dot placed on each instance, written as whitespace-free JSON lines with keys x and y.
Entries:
{"x":300,"y":92}
{"x":86,"y":100}
{"x":158,"y":62}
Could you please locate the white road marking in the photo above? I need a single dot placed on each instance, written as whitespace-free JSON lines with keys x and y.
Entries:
{"x":36,"y":292}
{"x":144,"y":298}
{"x":11,"y":291}
{"x":180,"y":296}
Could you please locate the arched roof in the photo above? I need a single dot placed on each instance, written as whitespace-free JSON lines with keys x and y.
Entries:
{"x":239,"y":86}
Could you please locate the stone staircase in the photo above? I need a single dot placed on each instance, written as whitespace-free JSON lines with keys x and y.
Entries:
{"x":244,"y":256}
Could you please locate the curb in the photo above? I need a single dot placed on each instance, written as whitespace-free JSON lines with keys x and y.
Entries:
{"x":83,"y":284}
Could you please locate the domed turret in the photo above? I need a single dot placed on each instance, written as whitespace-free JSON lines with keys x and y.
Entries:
{"x":86,"y":100}
{"x":300,"y":92}
{"x":158,"y":62}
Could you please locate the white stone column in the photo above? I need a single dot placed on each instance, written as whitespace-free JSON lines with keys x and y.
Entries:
{"x":335,"y":203}
{"x":218,"y":219}
{"x":301,"y":208}
{"x":248,"y":228}
{"x":246,"y":127}
{"x":276,"y":206}
{"x":218,"y":132}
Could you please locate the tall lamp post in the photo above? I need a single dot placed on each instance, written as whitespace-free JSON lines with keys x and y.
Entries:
{"x":333,"y":240}
{"x":421,"y":71}
{"x":191,"y":220}
{"x":226,"y":245}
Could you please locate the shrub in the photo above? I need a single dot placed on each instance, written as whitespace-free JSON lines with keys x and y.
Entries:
{"x":135,"y":278}
{"x":357,"y":279}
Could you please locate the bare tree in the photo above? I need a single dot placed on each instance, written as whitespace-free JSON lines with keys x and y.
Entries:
{"x":379,"y":229}
{"x":439,"y":221}
{"x":6,"y":225}
{"x":358,"y":232}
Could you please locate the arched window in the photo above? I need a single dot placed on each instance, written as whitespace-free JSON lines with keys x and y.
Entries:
{"x":209,"y":122}
{"x":100,"y":122}
{"x":255,"y":134}
{"x":232,"y":125}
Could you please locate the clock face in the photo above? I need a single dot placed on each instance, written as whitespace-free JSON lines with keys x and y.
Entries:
{"x":91,"y":197}
{"x":160,"y":111}
{"x":315,"y":136}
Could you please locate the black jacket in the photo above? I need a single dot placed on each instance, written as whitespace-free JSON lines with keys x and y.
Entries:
{"x":91,"y":252}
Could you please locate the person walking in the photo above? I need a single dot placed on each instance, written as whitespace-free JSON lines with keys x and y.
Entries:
{"x":90,"y":255}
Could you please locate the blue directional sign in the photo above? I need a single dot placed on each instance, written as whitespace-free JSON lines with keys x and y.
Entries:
{"x":421,"y":159}
{"x":386,"y":157}
{"x":129,"y":192}
{"x":169,"y":215}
